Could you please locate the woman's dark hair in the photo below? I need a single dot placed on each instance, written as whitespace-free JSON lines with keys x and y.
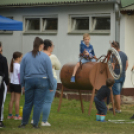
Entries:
{"x":15,"y":56}
{"x":0,"y":44}
{"x":47,"y":43}
{"x":37,"y":42}
{"x":110,"y":82}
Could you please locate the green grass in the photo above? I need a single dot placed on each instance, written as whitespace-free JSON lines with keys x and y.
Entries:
{"x":70,"y":120}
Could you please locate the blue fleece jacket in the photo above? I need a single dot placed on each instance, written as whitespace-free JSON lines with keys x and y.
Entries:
{"x":39,"y":66}
{"x":89,"y":48}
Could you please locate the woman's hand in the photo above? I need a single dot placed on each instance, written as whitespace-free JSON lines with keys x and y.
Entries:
{"x":23,"y":90}
{"x":51,"y":90}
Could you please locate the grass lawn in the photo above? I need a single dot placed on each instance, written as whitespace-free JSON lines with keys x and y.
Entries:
{"x":70,"y":120}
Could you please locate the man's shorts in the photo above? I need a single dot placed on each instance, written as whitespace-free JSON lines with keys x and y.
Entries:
{"x":86,"y":60}
{"x":117,"y":87}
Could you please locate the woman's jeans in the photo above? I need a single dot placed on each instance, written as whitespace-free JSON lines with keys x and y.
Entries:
{"x":48,"y":101}
{"x":35,"y":90}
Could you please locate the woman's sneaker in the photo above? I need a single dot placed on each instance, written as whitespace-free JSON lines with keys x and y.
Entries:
{"x":10,"y":117}
{"x":31,"y":121}
{"x":17,"y":118}
{"x":45,"y":124}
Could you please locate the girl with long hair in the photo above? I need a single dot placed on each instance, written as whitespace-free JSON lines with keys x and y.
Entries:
{"x":15,"y":87}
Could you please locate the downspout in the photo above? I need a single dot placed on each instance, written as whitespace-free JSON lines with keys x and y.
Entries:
{"x":117,"y":20}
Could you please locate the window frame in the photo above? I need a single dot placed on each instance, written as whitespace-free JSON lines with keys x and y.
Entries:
{"x":91,"y":24}
{"x":41,"y":30}
{"x":101,"y":16}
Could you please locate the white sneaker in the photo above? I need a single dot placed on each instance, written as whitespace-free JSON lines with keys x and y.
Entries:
{"x":45,"y":124}
{"x":31,"y":121}
{"x":117,"y":111}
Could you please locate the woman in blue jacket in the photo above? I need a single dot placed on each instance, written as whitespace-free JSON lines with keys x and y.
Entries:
{"x":36,"y":77}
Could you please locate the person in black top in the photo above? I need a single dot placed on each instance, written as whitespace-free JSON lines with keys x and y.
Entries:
{"x":3,"y":83}
{"x":103,"y":92}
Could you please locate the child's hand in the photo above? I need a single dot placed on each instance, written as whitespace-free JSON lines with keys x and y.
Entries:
{"x":95,"y":57}
{"x":86,"y":53}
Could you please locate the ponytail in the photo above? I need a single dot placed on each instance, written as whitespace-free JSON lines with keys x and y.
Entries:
{"x":11,"y":66}
{"x":37,"y":42}
{"x":15,"y":56}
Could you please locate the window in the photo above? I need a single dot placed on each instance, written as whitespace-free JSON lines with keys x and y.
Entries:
{"x":50,"y":24}
{"x":93,"y":23}
{"x":81,"y":23}
{"x":41,"y":25}
{"x":33,"y":24}
{"x":7,"y":32}
{"x":101,"y":23}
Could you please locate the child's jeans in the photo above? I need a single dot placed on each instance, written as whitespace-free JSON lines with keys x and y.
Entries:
{"x":86,"y":60}
{"x":100,"y":106}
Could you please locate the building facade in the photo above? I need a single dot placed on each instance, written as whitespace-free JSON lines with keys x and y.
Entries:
{"x":64,"y":23}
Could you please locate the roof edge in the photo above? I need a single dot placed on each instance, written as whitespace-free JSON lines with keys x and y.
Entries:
{"x":60,"y":3}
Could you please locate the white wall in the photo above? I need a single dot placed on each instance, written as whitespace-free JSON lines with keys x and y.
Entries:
{"x":66,"y":46}
{"x":128,"y":41}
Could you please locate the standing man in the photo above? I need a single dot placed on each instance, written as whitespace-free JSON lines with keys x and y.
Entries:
{"x":117,"y":87}
{"x":3,"y":83}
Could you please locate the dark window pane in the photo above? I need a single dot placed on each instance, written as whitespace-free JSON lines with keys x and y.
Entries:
{"x":51,"y":24}
{"x":82,"y":24}
{"x":102,"y":23}
{"x":33,"y":24}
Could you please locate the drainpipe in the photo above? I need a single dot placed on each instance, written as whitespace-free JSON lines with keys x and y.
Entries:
{"x":117,"y":21}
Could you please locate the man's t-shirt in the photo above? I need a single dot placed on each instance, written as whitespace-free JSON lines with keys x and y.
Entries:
{"x":124,"y":58}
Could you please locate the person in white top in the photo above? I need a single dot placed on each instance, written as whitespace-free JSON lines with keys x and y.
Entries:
{"x":15,"y":87}
{"x":56,"y":65}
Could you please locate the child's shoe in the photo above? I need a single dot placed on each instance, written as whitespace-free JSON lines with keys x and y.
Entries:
{"x":73,"y":79}
{"x":10,"y":117}
{"x":17,"y":118}
{"x":117,"y":111}
{"x":2,"y":125}
{"x":102,"y":118}
{"x":97,"y":117}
